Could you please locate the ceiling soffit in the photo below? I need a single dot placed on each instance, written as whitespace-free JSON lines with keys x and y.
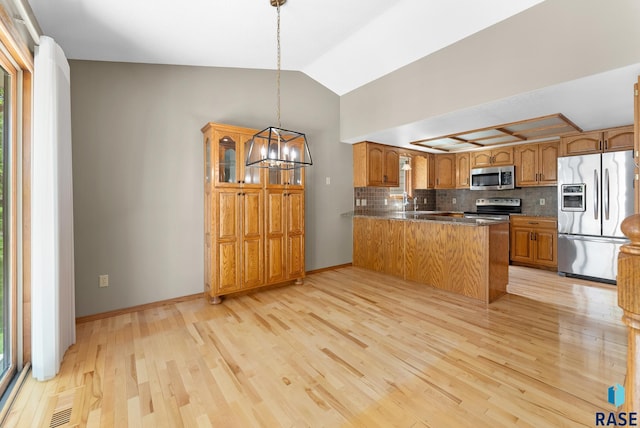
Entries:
{"x":536,"y":129}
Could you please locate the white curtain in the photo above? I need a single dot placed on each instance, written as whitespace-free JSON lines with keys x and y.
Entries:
{"x":52,"y":271}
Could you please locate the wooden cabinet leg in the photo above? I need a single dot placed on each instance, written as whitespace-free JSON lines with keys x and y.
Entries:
{"x":299,"y":281}
{"x":215,"y":300}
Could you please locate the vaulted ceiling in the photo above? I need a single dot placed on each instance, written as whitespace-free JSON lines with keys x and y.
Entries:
{"x":341,"y":44}
{"x":344,"y":45}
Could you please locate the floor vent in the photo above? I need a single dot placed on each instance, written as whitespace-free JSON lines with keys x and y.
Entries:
{"x":60,"y":418}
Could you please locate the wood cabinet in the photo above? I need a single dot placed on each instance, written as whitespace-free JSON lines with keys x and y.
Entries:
{"x":378,"y":244}
{"x":284,"y":235}
{"x":228,"y":147}
{"x":254,"y":217}
{"x":606,"y":140}
{"x":495,"y":157}
{"x":239,"y":258}
{"x":534,"y":241}
{"x":423,"y":171}
{"x":469,"y":260}
{"x":375,"y":165}
{"x":463,"y":170}
{"x":536,"y":164}
{"x":445,"y":167}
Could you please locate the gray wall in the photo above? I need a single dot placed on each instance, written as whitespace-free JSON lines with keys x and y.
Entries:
{"x":553,"y":42}
{"x":137,"y":159}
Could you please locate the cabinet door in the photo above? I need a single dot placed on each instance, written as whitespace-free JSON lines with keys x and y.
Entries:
{"x":419,"y":172}
{"x":526,"y":162}
{"x":252,"y":176}
{"x":545,"y":245}
{"x":445,"y":171}
{"x":618,"y":139}
{"x":548,"y":163}
{"x":521,"y":244}
{"x":581,"y":144}
{"x":227,"y":156}
{"x":431,"y":171}
{"x":462,"y":170}
{"x":227,"y":240}
{"x":295,"y":233}
{"x":481,"y":159}
{"x":275,"y":236}
{"x":394,"y":248}
{"x":375,"y":162}
{"x":252,"y":238}
{"x":391,"y":167}
{"x":502,"y":156}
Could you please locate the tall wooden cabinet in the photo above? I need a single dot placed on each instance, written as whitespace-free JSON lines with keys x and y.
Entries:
{"x":254,"y":217}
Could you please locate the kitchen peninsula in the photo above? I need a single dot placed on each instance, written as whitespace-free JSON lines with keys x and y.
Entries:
{"x":461,"y":255}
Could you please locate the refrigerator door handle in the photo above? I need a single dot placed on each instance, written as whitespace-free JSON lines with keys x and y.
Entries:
{"x":596,"y":201}
{"x":605,"y":197}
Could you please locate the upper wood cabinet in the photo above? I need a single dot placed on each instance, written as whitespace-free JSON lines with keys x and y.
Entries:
{"x":536,"y":164}
{"x":463,"y":168}
{"x":225,"y":154}
{"x":375,"y":165}
{"x":495,"y":157}
{"x":606,"y":140}
{"x":423,"y":171}
{"x":445,"y":166}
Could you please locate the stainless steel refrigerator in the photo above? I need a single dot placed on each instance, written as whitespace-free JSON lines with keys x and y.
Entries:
{"x":595,"y":193}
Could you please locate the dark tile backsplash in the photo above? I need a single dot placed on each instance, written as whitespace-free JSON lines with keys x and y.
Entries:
{"x":442,"y":200}
{"x":378,"y":199}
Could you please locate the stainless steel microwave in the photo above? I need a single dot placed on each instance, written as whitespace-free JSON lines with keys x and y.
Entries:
{"x":493,"y":178}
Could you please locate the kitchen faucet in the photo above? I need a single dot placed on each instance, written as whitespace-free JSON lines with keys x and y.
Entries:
{"x":415,"y":203}
{"x":405,"y":201}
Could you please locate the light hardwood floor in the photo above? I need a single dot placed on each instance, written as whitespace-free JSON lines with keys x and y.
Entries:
{"x":349,"y":348}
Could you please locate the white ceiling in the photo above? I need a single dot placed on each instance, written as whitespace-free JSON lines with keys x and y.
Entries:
{"x":342,"y":44}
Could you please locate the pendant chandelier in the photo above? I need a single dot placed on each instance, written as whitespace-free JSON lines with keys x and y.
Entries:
{"x":274,"y":147}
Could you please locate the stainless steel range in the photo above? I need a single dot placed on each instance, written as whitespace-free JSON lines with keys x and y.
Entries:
{"x":495,"y":208}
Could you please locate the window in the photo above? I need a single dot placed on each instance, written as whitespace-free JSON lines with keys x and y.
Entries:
{"x":16,"y":68}
{"x":404,"y":183}
{"x":6,"y":332}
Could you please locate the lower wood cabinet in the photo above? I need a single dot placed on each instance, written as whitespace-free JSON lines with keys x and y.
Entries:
{"x":378,"y":244}
{"x":284,"y":235}
{"x":470,"y":260}
{"x":534,"y":241}
{"x":239,"y":239}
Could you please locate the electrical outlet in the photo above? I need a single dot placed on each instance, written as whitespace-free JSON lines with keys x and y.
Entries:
{"x":424,"y":201}
{"x":454,"y":201}
{"x":104,"y":281}
{"x":363,"y":202}
{"x":541,"y":201}
{"x":357,"y":202}
{"x":327,"y":180}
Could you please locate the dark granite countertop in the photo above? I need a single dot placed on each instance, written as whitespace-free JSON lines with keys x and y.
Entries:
{"x":432,"y":216}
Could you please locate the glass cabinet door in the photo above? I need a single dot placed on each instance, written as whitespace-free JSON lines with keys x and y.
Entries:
{"x":207,"y":162}
{"x":226,"y":167}
{"x":251,"y":176}
{"x":295,"y":177}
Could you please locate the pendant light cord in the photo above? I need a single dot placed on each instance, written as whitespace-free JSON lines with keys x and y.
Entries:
{"x":278,"y":71}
